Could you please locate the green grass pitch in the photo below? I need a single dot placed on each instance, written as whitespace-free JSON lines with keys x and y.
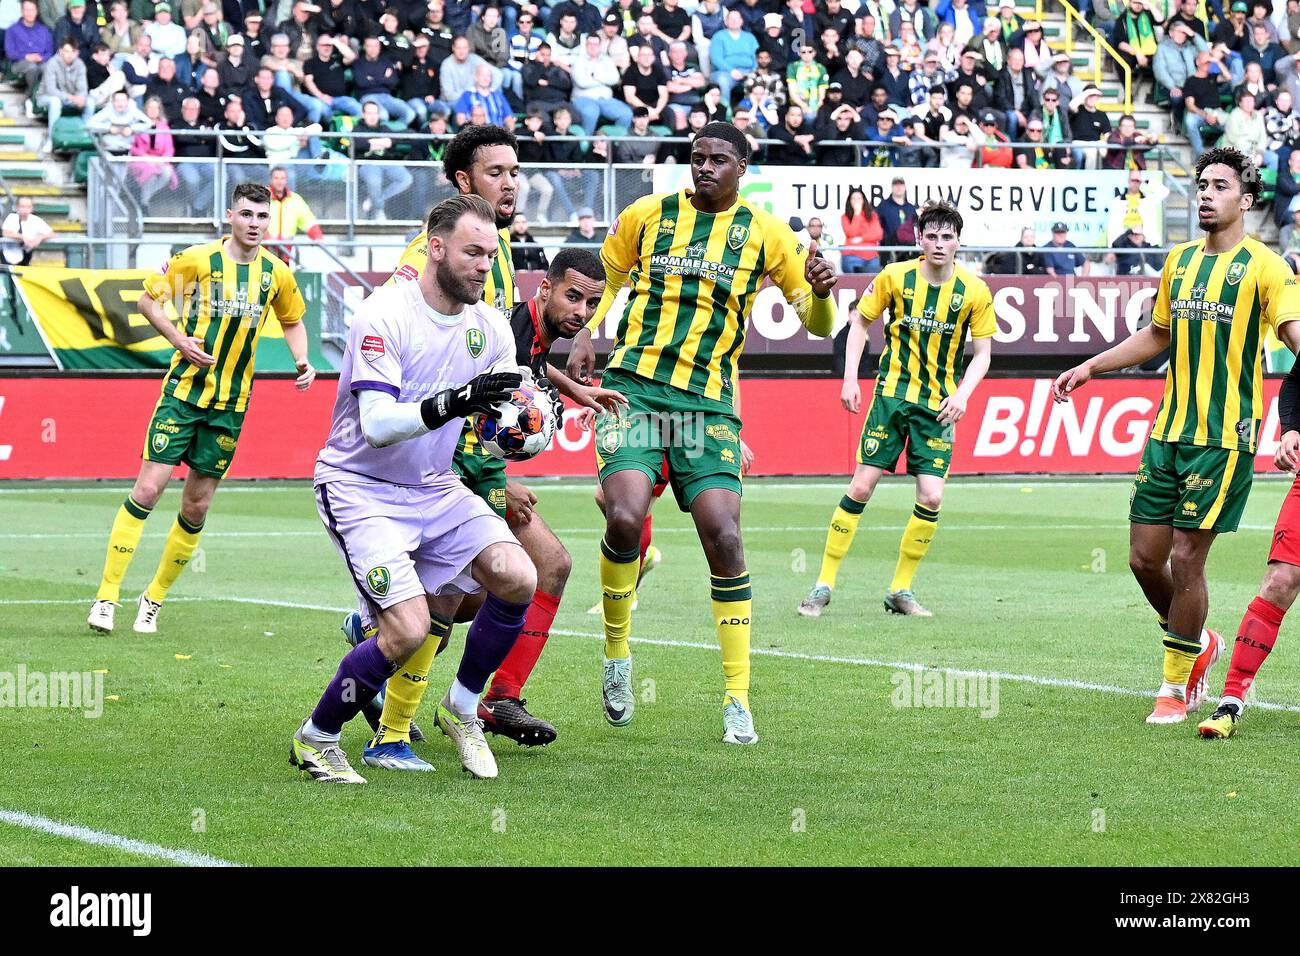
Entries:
{"x":1027,"y":578}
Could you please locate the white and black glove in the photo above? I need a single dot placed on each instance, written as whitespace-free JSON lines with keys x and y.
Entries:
{"x":482,"y":394}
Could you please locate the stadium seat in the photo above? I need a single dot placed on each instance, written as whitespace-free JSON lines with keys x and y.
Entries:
{"x":658,"y":129}
{"x":71,"y":136}
{"x":611,"y":130}
{"x":81,"y":168}
{"x":1268,"y":180}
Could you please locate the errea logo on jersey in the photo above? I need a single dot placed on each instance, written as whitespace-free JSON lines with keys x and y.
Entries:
{"x":475,"y":341}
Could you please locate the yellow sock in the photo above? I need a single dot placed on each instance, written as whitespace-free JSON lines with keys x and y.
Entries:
{"x":618,"y":573}
{"x":1180,"y":655}
{"x":733,"y":606}
{"x":122,"y":542}
{"x":839,"y":538}
{"x":181,"y":542}
{"x":916,"y":541}
{"x":406,"y":688}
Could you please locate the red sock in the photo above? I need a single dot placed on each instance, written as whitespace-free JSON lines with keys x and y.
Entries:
{"x":647,"y":528}
{"x":1255,"y":638}
{"x":519,"y":663}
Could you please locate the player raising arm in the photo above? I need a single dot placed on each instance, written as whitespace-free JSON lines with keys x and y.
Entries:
{"x":932,"y":303}
{"x":1218,"y":297}
{"x":421,"y":356}
{"x":695,"y":260}
{"x":223,"y":291}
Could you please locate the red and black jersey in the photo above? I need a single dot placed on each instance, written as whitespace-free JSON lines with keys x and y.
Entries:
{"x":527,"y":326}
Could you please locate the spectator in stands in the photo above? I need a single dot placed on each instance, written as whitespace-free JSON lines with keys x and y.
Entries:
{"x":23,"y":232}
{"x":118,"y":123}
{"x":684,"y":85}
{"x":995,"y":150}
{"x":1264,"y":50}
{"x":1058,"y":263}
{"x":806,"y":81}
{"x":63,"y":86}
{"x":612,"y":41}
{"x":1035,"y":154}
{"x":286,"y":140}
{"x":524,"y":44}
{"x":101,"y":77}
{"x":153,"y":146}
{"x":1187,"y":13}
{"x":287,"y":71}
{"x":456,"y":74}
{"x":1134,"y":264}
{"x":1089,"y":125}
{"x":430,"y":149}
{"x":1244,"y":129}
{"x":375,"y":79}
{"x":1289,"y":242}
{"x":645,"y":84}
{"x":586,"y":16}
{"x":255,"y":42}
{"x":1127,"y":135}
{"x":167,"y":89}
{"x":305,"y":23}
{"x":1201,"y":101}
{"x":794,"y":21}
{"x":196,"y":176}
{"x":844,"y":124}
{"x":893,"y":78}
{"x":140,"y":66}
{"x":568,"y":154}
{"x":533,"y":151}
{"x":545,"y":82}
{"x":672,"y":23}
{"x":1287,"y":197}
{"x":384,"y":177}
{"x":626,"y":151}
{"x":1009,"y":22}
{"x":236,"y":69}
{"x":1280,"y":123}
{"x":1261,"y":13}
{"x":885,"y":139}
{"x":696,"y":120}
{"x":419,"y":83}
{"x":992,"y":45}
{"x":488,"y":38}
{"x":212,"y":99}
{"x":1062,"y":79}
{"x":832,"y":15}
{"x":897,"y":217}
{"x":854,"y":80}
{"x":238,"y":140}
{"x":869,"y":40}
{"x":921,"y":18}
{"x":1038,"y":53}
{"x":566,"y":42}
{"x":765,"y":73}
{"x":1233,"y":34}
{"x":964,"y":104}
{"x":493,"y":102}
{"x":945,"y":49}
{"x":831,"y":51}
{"x":961,"y":143}
{"x":926,"y":78}
{"x":732,"y":55}
{"x":1135,"y":37}
{"x":525,"y":254}
{"x":1292,"y":26}
{"x":585,"y":232}
{"x":324,"y":76}
{"x":264,"y":99}
{"x":1254,"y":82}
{"x":189,"y":65}
{"x":712,"y":101}
{"x":1055,"y":120}
{"x":863,"y":233}
{"x":707,"y":21}
{"x":1015,"y":93}
{"x":168,"y":38}
{"x":594,"y":78}
{"x":120,"y":33}
{"x":28,"y":44}
{"x":76,"y":25}
{"x":793,"y":146}
{"x":1016,"y":262}
{"x":965,"y":19}
{"x":215,"y":31}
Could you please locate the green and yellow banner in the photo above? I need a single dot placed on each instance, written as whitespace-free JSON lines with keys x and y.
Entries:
{"x":89,"y":320}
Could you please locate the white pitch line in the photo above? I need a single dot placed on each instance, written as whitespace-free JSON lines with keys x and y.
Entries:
{"x":93,"y":837}
{"x":764,"y":652}
{"x":41,"y":535}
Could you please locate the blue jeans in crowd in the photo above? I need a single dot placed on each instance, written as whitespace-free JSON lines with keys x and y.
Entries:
{"x":343,"y":104}
{"x":857,"y":264}
{"x":591,"y":112}
{"x":55,"y":105}
{"x":391,"y":107}
{"x":424,"y":107}
{"x":315,"y":109}
{"x":725,"y":84}
{"x":380,"y":182}
{"x":587,"y":181}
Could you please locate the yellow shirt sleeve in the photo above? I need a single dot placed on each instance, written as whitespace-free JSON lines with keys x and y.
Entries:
{"x":619,"y":252}
{"x":786,"y":259}
{"x":304,"y":219}
{"x":1160,"y":312}
{"x":177,"y":279}
{"x":878,"y":297}
{"x":983,"y":323}
{"x":414,"y":256}
{"x":1279,"y":292}
{"x":287,"y":302}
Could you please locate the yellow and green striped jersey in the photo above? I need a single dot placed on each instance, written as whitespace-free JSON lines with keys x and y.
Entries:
{"x":693,"y":277}
{"x":1217,"y":309}
{"x":499,"y":290}
{"x":224,"y":303}
{"x":925,"y":336}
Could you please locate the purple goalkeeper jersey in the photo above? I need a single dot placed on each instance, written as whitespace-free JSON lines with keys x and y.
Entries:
{"x":398,"y":345}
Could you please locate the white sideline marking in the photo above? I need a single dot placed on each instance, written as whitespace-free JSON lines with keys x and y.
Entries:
{"x":769,"y":652}
{"x":82,"y":834}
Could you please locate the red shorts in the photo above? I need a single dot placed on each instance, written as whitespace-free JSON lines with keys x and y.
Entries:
{"x":1286,"y":533}
{"x":662,"y":483}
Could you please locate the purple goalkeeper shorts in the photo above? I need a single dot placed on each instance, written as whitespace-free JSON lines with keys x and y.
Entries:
{"x":401,"y":542}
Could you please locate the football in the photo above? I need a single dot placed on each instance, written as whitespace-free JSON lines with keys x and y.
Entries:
{"x":523,"y":425}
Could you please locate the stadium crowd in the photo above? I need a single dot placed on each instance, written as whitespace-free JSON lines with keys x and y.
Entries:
{"x":956,"y":83}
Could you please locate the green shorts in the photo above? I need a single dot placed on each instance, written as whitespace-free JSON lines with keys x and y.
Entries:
{"x":483,"y":475}
{"x":894,"y":424}
{"x":203,"y":438}
{"x":700,"y":437}
{"x":1190,"y":486}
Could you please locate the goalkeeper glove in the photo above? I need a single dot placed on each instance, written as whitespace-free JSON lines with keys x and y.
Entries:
{"x":482,"y":394}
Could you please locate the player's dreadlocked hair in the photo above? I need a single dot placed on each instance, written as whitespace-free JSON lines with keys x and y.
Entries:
{"x":582,"y":261}
{"x":1239,"y":163}
{"x":728,"y":134}
{"x":939,"y":214}
{"x":444,"y":216}
{"x":459,"y":154}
